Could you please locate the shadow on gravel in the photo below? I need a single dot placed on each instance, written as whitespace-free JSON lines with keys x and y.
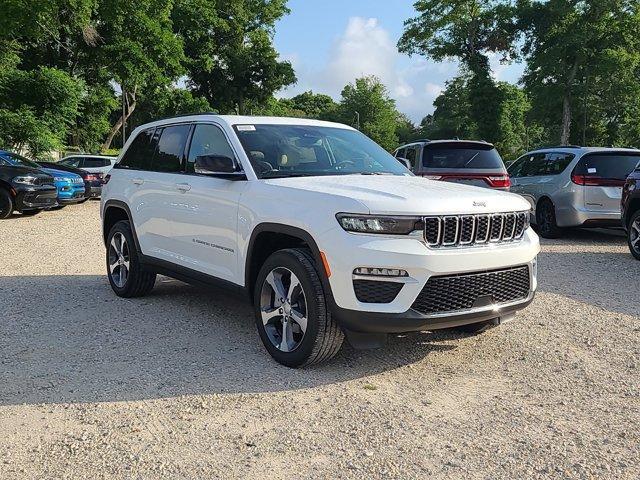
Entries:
{"x":609,"y":280}
{"x":580,"y":237}
{"x":70,"y":339}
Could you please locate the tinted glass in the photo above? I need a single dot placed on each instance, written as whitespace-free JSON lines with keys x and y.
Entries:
{"x":558,"y":162}
{"x":411,"y":156}
{"x":309,"y":150}
{"x":461,"y":155}
{"x":515,"y":169}
{"x":615,"y":166}
{"x":71,"y":162}
{"x":208,"y":140}
{"x":139,"y":153}
{"x":95,"y":162}
{"x":170,"y":152}
{"x":401,"y":153}
{"x":530,"y":166}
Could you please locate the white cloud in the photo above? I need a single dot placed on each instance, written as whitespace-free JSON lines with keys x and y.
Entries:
{"x":365,"y":48}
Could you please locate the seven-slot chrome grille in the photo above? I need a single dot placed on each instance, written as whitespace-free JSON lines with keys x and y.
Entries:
{"x":464,"y":230}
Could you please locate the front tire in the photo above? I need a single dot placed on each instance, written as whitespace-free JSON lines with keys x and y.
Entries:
{"x":546,"y":220}
{"x":633,"y":235}
{"x":126,"y":276}
{"x":6,"y":204}
{"x":291,"y":311}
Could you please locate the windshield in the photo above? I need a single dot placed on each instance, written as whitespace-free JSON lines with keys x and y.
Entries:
{"x":456,"y":155}
{"x":277,"y":151}
{"x":17,"y":160}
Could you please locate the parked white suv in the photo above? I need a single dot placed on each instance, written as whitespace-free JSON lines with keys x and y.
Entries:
{"x":327,"y":233}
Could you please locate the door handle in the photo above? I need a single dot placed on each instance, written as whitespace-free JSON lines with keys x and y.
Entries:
{"x":183,"y":187}
{"x":137,"y":181}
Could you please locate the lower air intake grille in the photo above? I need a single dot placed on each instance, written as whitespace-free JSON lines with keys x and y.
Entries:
{"x":465,"y":291}
{"x":372,"y":291}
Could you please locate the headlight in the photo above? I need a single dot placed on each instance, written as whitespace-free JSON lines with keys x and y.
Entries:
{"x":61,"y":179}
{"x":25,"y":180}
{"x":379,"y":224}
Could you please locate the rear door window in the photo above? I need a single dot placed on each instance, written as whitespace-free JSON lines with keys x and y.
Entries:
{"x":208,"y":140}
{"x":608,"y":166}
{"x":169,"y":154}
{"x":558,"y":162}
{"x":461,"y":155}
{"x":138,"y":155}
{"x":534,"y":165}
{"x":72,"y":162}
{"x":94,"y":162}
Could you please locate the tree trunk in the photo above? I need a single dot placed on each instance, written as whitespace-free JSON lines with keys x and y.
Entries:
{"x":566,"y":106}
{"x":131,"y":106}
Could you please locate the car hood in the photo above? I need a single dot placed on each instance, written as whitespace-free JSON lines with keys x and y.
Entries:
{"x":13,"y":171}
{"x":60,"y":173}
{"x":408,"y":195}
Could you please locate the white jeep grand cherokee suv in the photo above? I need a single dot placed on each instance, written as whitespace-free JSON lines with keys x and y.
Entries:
{"x":328,"y":234}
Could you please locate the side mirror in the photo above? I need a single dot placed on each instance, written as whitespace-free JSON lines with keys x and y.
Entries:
{"x":215,"y":165}
{"x":404,"y":162}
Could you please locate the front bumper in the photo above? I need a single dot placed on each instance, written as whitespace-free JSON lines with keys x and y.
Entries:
{"x":71,"y":195}
{"x":36,"y":198}
{"x":346,"y":252}
{"x":92,"y":191}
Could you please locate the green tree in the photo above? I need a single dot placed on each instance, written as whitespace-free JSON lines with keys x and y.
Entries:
{"x":229,"y":51}
{"x":579,"y":53}
{"x":46,"y":99}
{"x":167,"y":102}
{"x":366,"y":104}
{"x":468,"y":30}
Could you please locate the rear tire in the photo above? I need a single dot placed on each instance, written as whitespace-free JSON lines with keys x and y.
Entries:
{"x":546,"y":220}
{"x":6,"y":204}
{"x":633,"y":235}
{"x":292,"y":316}
{"x":127,"y":277}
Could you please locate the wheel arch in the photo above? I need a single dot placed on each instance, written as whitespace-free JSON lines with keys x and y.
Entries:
{"x":268,"y":238}
{"x":634,"y":206}
{"x":114,"y":212}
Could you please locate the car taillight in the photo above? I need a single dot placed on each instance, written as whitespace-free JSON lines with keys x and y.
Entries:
{"x":106,"y":179}
{"x":92,"y":178}
{"x":502,"y":181}
{"x":594,"y":181}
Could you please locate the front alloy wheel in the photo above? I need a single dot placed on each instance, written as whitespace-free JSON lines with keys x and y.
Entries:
{"x":284,"y":309}
{"x":293,"y":319}
{"x":633,"y":235}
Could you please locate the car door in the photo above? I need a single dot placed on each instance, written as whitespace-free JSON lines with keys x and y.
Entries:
{"x":528,"y":176}
{"x":205,"y":210}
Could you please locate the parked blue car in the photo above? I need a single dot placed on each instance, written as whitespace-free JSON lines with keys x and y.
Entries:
{"x":70,"y":186}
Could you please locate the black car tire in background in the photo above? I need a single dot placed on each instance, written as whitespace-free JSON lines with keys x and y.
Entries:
{"x":632,"y":235}
{"x":546,"y":219}
{"x":6,"y":204}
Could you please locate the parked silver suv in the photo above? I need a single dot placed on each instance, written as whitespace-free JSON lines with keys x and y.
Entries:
{"x":573,"y":186}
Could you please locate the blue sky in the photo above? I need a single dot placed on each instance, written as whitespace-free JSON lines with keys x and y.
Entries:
{"x":332,"y":42}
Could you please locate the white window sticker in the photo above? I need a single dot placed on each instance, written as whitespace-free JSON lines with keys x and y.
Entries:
{"x":246,"y":128}
{"x":592,"y":170}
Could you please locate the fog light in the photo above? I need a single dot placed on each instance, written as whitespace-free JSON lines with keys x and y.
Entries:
{"x":380,"y":272}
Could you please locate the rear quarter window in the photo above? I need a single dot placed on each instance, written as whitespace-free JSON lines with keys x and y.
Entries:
{"x":138,"y":155}
{"x":461,"y":155}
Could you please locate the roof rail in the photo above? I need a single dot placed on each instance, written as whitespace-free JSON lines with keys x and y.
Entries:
{"x":185,"y":115}
{"x":561,"y":146}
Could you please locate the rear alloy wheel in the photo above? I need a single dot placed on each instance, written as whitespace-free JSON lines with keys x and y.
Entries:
{"x":6,"y":204}
{"x":126,"y":276}
{"x":292,"y":317}
{"x":546,"y":220}
{"x":633,"y":235}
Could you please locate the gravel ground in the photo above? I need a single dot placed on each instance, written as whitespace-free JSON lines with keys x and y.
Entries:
{"x":177,"y":385}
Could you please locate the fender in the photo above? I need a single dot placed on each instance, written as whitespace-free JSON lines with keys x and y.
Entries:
{"x":121,"y":206}
{"x":293,"y":232}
